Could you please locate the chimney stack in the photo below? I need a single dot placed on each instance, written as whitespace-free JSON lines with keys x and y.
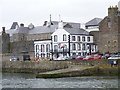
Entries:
{"x":3,"y":28}
{"x":112,"y":11}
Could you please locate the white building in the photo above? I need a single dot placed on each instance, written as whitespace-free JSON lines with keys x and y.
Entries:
{"x":66,"y":42}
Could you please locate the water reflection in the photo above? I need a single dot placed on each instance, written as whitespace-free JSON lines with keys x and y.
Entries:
{"x":16,"y":80}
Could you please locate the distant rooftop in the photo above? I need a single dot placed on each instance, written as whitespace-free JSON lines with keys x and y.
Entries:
{"x":14,"y":25}
{"x":93,"y":22}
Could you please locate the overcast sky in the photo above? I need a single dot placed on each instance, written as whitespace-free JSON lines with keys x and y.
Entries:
{"x":38,"y":11}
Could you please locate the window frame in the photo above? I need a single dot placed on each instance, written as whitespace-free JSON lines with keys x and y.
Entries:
{"x":64,"y":37}
{"x":73,"y":38}
{"x":55,"y":38}
{"x":83,"y":38}
{"x":88,"y":39}
{"x":78,"y":38}
{"x":73,"y":46}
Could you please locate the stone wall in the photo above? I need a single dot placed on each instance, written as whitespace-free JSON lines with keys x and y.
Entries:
{"x":49,"y":65}
{"x":22,"y":46}
{"x":95,"y":36}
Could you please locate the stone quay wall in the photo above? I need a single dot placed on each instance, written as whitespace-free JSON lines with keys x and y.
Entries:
{"x":41,"y":66}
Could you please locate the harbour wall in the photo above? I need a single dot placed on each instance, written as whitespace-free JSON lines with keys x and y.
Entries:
{"x":41,"y":66}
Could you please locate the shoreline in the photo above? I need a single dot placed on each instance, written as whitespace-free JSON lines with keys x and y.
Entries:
{"x":57,"y":69}
{"x":91,"y":71}
{"x":71,"y":72}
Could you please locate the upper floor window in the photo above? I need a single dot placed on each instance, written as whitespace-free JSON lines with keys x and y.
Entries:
{"x":79,"y":46}
{"x":73,"y":46}
{"x":55,"y":38}
{"x":88,"y":39}
{"x":78,"y":38}
{"x":42,"y":48}
{"x":73,"y":38}
{"x":64,"y":37}
{"x":83,"y":46}
{"x":37,"y":48}
{"x":83,"y":38}
{"x":47,"y":47}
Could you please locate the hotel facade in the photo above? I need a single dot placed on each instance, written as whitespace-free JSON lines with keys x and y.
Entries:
{"x":65,"y":42}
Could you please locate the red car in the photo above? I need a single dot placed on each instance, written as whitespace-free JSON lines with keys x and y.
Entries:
{"x":79,"y":57}
{"x":88,"y":57}
{"x":98,"y":57}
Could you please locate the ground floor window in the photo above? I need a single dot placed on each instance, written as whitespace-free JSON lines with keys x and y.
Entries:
{"x":74,"y":54}
{"x":37,"y":55}
{"x":42,"y":55}
{"x":84,"y":53}
{"x":79,"y":53}
{"x":48,"y":54}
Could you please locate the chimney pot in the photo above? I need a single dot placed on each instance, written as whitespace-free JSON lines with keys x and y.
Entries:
{"x":21,"y":25}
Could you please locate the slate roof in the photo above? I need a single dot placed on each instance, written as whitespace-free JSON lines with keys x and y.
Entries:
{"x":75,"y":31}
{"x":74,"y":25}
{"x":23,"y":30}
{"x":42,"y":29}
{"x":93,"y":22}
{"x":45,"y":29}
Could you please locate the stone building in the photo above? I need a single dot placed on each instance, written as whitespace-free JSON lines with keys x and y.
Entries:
{"x":22,"y":38}
{"x":109,"y":33}
{"x":4,"y":42}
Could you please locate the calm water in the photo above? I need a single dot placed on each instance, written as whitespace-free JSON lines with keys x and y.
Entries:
{"x":16,"y":80}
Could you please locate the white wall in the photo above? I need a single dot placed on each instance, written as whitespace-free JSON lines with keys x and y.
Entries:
{"x":60,"y":33}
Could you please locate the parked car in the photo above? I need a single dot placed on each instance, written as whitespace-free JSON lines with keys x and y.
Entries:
{"x":114,"y":57}
{"x":88,"y":57}
{"x":79,"y":57}
{"x":97,"y":57}
{"x":14,"y":59}
{"x":26,"y":58}
{"x":62,"y":58}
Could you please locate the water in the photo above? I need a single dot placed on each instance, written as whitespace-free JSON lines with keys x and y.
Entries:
{"x":16,"y":80}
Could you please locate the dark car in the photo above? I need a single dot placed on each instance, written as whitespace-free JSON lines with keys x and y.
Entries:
{"x":14,"y":59}
{"x":26,"y":58}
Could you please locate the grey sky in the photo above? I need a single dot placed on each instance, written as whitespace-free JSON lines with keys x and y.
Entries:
{"x":37,"y":11}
